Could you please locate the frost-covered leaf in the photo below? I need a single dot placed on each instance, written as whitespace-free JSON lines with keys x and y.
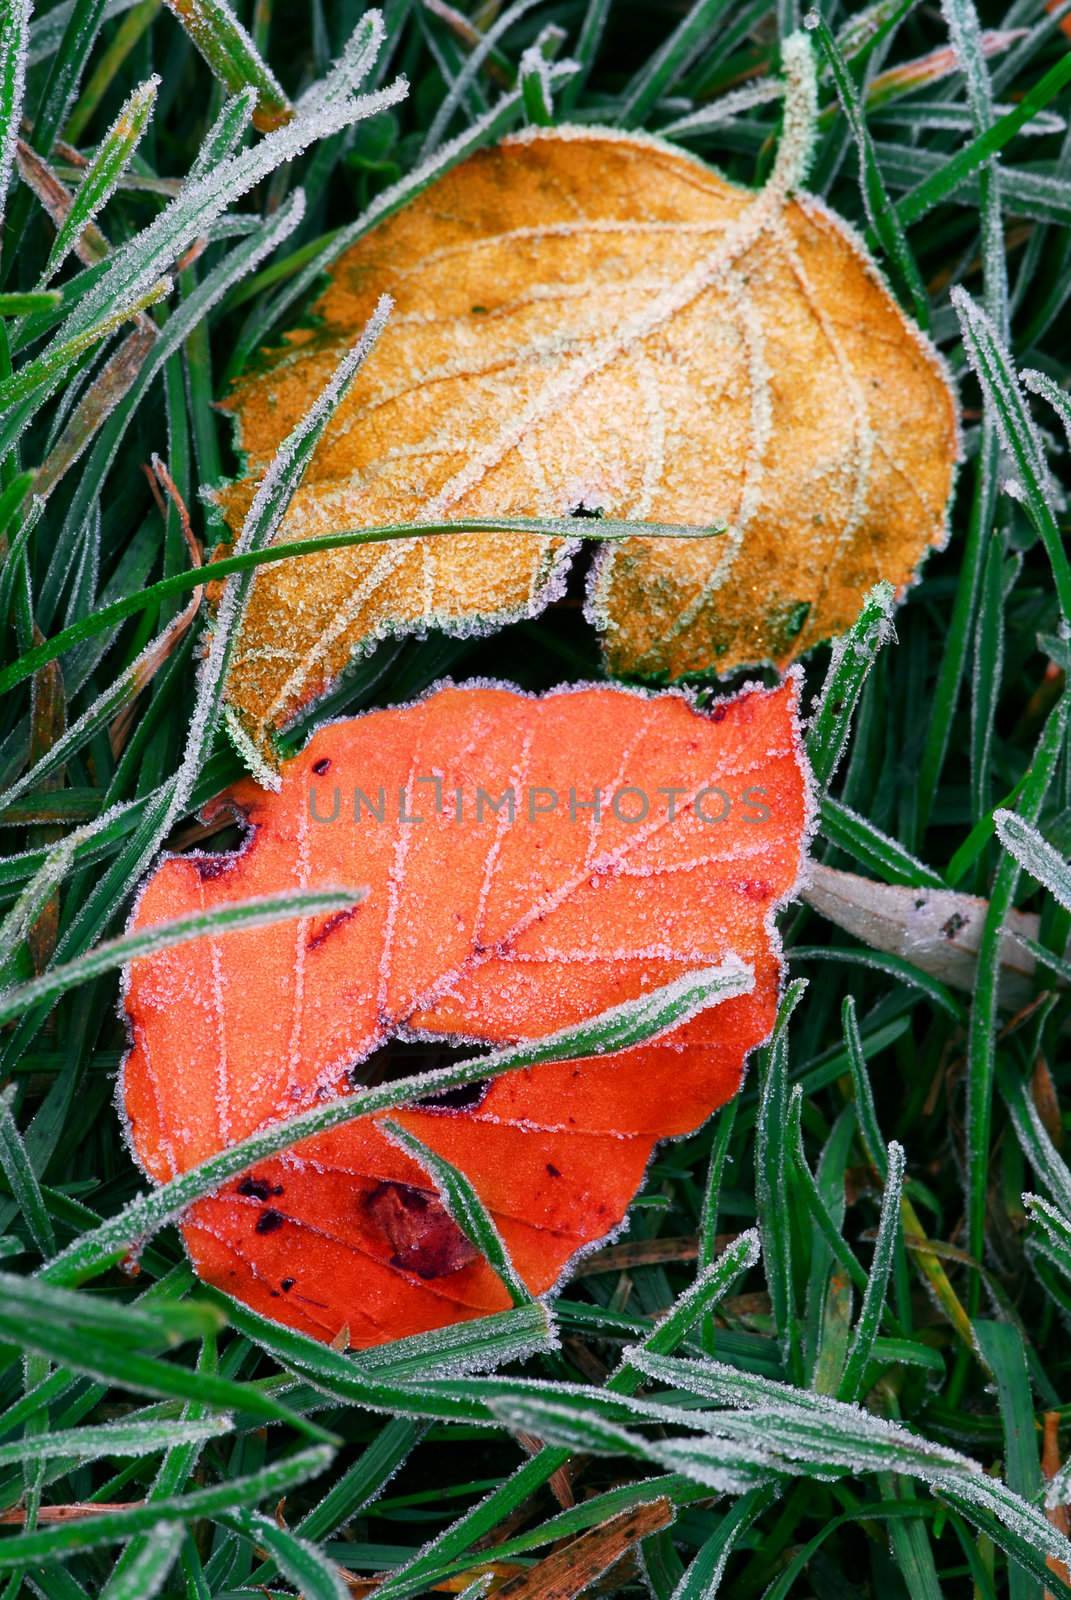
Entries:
{"x":937,"y":930}
{"x":598,"y":322}
{"x":510,"y":911}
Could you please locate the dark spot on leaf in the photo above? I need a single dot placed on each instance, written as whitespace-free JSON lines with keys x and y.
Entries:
{"x":255,"y":1188}
{"x":553,"y":1170}
{"x":422,"y":1235}
{"x":338,"y":919}
{"x":211,"y":866}
{"x":322,"y":766}
{"x":719,"y":713}
{"x":269,"y":1221}
{"x":953,"y":925}
{"x":287,"y":1284}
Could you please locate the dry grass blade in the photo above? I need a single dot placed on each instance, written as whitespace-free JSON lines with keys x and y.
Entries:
{"x":96,"y":405}
{"x":153,"y":659}
{"x":15,"y":1516}
{"x":569,"y":1571}
{"x":638,"y":1253}
{"x":56,"y":199}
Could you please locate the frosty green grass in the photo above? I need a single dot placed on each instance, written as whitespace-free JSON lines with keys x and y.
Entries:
{"x":834,"y":1336}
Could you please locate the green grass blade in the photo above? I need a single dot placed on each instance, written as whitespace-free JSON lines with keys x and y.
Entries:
{"x":18,"y":1170}
{"x":234,"y":58}
{"x":32,"y":301}
{"x":141,"y":14}
{"x":14,"y":43}
{"x":1004,"y":395}
{"x":108,"y":1360}
{"x":163,"y":1323}
{"x":225,"y":135}
{"x":958,"y":635}
{"x":113,"y":1439}
{"x":361,"y":1484}
{"x":772,"y":1191}
{"x":147,"y":1571}
{"x":883,"y":216}
{"x":815,"y":1202}
{"x":588,"y":42}
{"x":1002,"y":1346}
{"x":981,"y":1043}
{"x":112,"y":1526}
{"x":708,"y":1217}
{"x":987,"y":673}
{"x":1039,"y":383}
{"x":47,"y":370}
{"x":484,"y":1344}
{"x":103,"y":173}
{"x":702,"y":1578}
{"x":82,"y":24}
{"x":1034,"y":854}
{"x":257,"y":912}
{"x":451,"y":1545}
{"x":853,"y":656}
{"x":866,"y":1329}
{"x":104,"y":618}
{"x":132,"y":268}
{"x":1015,"y":1526}
{"x":865,"y":1112}
{"x":661,"y":70}
{"x":147,"y":1559}
{"x":465,"y":1206}
{"x":457,"y":90}
{"x":1033,"y":1137}
{"x":949,"y":176}
{"x":875,"y":849}
{"x":312,"y":1574}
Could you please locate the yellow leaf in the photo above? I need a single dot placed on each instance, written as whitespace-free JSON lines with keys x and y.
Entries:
{"x":586,"y":319}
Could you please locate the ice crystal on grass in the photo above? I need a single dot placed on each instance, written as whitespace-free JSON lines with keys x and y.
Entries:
{"x":14,"y":39}
{"x":103,"y":174}
{"x":136,"y":264}
{"x":352,"y":67}
{"x":821,"y":1498}
{"x":454,"y":97}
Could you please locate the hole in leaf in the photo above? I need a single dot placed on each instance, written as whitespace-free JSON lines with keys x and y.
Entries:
{"x":403,"y":1058}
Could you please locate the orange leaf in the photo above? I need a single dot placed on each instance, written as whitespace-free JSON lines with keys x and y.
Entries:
{"x":479,"y":927}
{"x":589,"y":320}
